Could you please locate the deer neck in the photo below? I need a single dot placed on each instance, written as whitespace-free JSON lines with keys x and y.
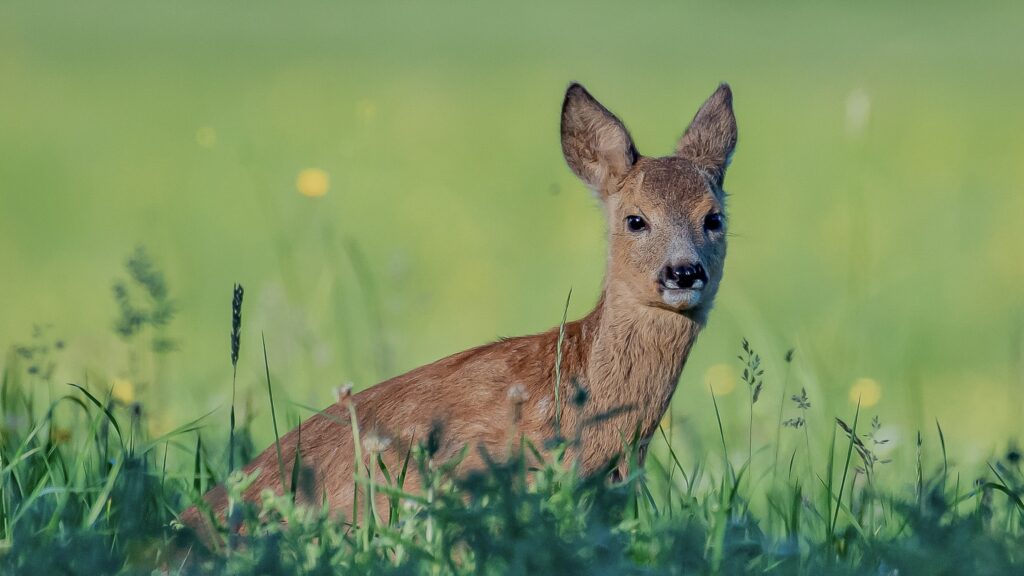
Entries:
{"x":635,"y":358}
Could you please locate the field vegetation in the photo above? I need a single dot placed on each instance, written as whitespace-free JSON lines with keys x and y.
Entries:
{"x":386,"y":182}
{"x":87,"y":490}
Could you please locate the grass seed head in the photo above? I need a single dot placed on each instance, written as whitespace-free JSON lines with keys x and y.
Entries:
{"x":236,"y":323}
{"x":375,"y":443}
{"x":343,"y":393}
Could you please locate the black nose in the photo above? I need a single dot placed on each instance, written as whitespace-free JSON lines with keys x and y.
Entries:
{"x":684,"y":275}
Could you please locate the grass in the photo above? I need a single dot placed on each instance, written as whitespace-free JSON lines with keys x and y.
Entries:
{"x":86,"y":490}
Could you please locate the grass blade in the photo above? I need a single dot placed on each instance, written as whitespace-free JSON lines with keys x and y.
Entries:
{"x":106,"y":411}
{"x":558,"y":365}
{"x":273,"y":412}
{"x":846,"y":467}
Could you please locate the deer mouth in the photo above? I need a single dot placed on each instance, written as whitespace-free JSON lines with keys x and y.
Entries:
{"x":680,"y":298}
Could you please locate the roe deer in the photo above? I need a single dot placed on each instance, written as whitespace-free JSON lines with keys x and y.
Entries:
{"x":666,"y":230}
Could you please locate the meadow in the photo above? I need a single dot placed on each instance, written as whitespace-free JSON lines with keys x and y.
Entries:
{"x":386,"y":182}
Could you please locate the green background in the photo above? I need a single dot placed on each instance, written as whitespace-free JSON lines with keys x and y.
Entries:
{"x":876,"y":212}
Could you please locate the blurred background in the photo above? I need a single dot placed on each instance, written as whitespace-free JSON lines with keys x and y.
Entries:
{"x":385,"y":179}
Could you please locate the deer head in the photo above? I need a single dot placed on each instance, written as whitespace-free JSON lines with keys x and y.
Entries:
{"x":666,"y":216}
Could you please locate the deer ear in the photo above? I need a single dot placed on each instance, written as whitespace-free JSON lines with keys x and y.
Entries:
{"x":595,"y":143}
{"x":710,"y":139}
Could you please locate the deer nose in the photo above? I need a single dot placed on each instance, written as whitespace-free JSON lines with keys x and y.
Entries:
{"x":684,"y":276}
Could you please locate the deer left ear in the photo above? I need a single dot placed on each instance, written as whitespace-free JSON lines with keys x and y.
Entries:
{"x":595,"y":143}
{"x":710,"y":139}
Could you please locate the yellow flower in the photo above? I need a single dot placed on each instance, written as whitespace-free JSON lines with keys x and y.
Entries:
{"x":866,"y":391}
{"x":123,"y":390}
{"x":720,"y":379}
{"x":312,"y":182}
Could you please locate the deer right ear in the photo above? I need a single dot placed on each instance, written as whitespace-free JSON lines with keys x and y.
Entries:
{"x":710,"y":139}
{"x":595,"y":143}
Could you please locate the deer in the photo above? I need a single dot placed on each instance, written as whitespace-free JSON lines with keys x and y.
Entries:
{"x":666,"y":253}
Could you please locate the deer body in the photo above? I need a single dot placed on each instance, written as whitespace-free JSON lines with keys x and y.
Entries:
{"x":665,"y":259}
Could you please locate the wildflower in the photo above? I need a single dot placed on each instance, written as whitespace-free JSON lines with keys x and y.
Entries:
{"x":123,"y":391}
{"x":312,"y":182}
{"x":866,"y":392}
{"x":720,"y":379}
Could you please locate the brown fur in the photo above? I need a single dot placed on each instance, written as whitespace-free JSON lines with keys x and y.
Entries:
{"x":626,"y":354}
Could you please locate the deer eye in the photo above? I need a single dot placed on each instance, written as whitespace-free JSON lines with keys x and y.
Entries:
{"x":636,"y":223}
{"x":713,"y":222}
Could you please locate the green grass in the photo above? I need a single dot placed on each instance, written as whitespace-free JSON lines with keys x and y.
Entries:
{"x":84,"y":489}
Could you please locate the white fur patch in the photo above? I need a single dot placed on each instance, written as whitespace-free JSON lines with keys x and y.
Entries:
{"x":681,"y":298}
{"x":544,"y":405}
